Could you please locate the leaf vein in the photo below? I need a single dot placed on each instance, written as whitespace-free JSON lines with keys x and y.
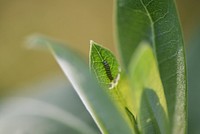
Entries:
{"x":162,"y":17}
{"x":165,"y":32}
{"x":167,"y":59}
{"x":149,"y":3}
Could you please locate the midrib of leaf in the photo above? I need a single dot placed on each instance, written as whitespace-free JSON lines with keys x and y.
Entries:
{"x":98,"y":52}
{"x":99,"y":56}
{"x":152,"y":25}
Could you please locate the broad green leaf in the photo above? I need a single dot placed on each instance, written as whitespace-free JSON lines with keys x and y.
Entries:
{"x":98,"y":103}
{"x":104,"y":65}
{"x":147,"y":92}
{"x":157,"y":23}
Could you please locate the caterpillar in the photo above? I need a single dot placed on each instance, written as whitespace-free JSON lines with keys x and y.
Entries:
{"x":107,"y":69}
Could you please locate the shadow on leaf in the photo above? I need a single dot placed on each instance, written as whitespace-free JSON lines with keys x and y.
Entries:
{"x":152,"y":118}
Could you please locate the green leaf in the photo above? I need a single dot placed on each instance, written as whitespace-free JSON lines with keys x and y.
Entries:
{"x":104,"y":65}
{"x":157,"y":23}
{"x":98,"y":103}
{"x":147,"y":92}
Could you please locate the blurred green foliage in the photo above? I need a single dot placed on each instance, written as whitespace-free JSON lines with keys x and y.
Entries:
{"x":193,"y":64}
{"x":45,"y":112}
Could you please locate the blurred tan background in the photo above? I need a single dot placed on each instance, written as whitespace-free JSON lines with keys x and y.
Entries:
{"x":75,"y":22}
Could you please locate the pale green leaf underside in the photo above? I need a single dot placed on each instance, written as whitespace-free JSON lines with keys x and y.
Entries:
{"x":105,"y":113}
{"x":19,"y":111}
{"x":147,"y":92}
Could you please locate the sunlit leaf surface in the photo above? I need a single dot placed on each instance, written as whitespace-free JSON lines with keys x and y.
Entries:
{"x":147,"y":92}
{"x":104,"y":65}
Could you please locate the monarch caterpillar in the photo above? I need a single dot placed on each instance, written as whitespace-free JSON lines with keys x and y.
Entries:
{"x":107,"y":69}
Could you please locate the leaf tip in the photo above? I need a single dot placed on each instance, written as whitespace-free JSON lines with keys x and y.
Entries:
{"x":92,"y":42}
{"x":92,"y":45}
{"x":35,"y":41}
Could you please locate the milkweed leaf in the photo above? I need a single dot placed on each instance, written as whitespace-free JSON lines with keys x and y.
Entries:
{"x":157,"y":23}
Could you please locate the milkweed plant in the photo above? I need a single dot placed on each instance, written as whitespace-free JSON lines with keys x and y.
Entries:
{"x":145,"y":92}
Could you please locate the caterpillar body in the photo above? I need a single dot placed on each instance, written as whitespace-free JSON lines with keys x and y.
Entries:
{"x":107,"y":69}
